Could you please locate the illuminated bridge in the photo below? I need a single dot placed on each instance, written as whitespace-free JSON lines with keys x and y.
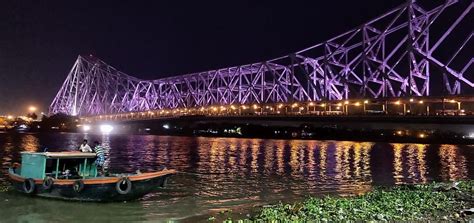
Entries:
{"x":408,"y":59}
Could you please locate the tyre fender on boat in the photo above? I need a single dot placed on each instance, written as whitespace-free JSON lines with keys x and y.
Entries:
{"x":123,"y":186}
{"x":48,"y":183}
{"x":29,"y":186}
{"x":78,"y":186}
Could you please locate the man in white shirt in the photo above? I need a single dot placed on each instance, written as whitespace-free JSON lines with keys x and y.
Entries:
{"x":85,"y":148}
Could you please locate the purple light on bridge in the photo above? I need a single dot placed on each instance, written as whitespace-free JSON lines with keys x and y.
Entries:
{"x":392,"y":55}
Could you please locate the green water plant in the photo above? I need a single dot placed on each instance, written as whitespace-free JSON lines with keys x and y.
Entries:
{"x":435,"y":201}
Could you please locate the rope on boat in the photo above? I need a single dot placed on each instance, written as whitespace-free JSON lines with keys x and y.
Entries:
{"x":197,"y":173}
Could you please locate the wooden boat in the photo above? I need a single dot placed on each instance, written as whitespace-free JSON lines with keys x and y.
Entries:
{"x":74,"y":176}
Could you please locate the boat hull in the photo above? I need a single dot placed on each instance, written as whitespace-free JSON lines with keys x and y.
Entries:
{"x":96,"y":189}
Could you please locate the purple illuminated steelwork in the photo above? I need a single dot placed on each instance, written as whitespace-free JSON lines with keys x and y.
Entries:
{"x":390,"y":56}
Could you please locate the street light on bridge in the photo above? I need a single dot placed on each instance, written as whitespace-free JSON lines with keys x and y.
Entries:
{"x":458,"y":103}
{"x":365,"y":103}
{"x":323,"y":105}
{"x":294,"y":105}
{"x":310,"y":104}
{"x":404,"y":106}
{"x":346,"y":106}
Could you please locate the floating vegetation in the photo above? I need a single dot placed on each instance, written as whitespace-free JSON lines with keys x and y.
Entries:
{"x":436,"y":201}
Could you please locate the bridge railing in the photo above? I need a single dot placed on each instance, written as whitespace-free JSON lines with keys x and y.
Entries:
{"x":414,"y":106}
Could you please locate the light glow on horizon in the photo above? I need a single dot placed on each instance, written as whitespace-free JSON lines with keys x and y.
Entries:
{"x":106,"y":129}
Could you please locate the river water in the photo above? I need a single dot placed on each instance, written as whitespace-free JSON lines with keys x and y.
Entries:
{"x":230,"y":173}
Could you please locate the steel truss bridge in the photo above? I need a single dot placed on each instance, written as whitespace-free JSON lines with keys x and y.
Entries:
{"x":413,"y":50}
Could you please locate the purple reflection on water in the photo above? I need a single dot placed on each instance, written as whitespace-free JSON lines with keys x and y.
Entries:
{"x":235,"y":173}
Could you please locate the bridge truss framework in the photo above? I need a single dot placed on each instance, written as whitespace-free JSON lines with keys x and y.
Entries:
{"x":394,"y":55}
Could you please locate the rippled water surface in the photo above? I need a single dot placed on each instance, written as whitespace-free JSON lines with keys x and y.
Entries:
{"x":229,"y":173}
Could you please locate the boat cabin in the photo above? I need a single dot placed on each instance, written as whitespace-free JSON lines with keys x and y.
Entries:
{"x":58,"y":165}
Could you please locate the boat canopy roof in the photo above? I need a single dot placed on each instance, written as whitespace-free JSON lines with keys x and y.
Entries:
{"x":63,"y":155}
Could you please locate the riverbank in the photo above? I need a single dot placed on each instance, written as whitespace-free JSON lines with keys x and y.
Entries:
{"x":395,"y":129}
{"x":329,"y":132}
{"x":436,"y":201}
{"x":440,"y":130}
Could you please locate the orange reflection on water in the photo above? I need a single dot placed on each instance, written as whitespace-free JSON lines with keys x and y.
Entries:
{"x":323,"y":160}
{"x":294,"y":153}
{"x":342,"y":165}
{"x":416,"y":162}
{"x":397,"y":163}
{"x":453,"y":163}
{"x":232,"y":158}
{"x":353,"y":158}
{"x":215,"y":158}
{"x":279,"y":159}
{"x":362,"y":160}
{"x":409,"y":163}
{"x":29,"y":143}
{"x":256,"y":143}
{"x":269,"y":155}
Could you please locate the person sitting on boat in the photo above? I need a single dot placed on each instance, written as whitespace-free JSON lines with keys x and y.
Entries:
{"x":84,"y":147}
{"x":99,"y":151}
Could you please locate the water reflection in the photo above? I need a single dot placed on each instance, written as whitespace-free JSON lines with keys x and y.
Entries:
{"x":409,"y":163}
{"x":221,"y":173}
{"x":453,"y":163}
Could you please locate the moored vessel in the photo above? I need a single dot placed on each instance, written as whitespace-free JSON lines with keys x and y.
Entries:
{"x":74,"y":176}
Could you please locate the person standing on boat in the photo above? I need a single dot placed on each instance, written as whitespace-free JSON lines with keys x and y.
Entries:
{"x":84,"y":147}
{"x":99,"y":162}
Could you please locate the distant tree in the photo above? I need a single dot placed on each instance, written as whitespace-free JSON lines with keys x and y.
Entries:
{"x":62,"y":121}
{"x":3,"y":121}
{"x":32,"y":115}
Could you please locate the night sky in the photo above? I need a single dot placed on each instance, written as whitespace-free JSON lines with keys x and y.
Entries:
{"x":40,"y":40}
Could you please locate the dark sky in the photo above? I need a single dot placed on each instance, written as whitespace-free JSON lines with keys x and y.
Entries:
{"x":40,"y":40}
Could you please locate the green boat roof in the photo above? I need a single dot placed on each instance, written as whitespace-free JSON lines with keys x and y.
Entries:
{"x":64,"y":155}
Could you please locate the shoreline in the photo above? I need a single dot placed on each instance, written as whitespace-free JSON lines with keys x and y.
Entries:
{"x":387,"y":136}
{"x":451,"y":201}
{"x":393,"y":129}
